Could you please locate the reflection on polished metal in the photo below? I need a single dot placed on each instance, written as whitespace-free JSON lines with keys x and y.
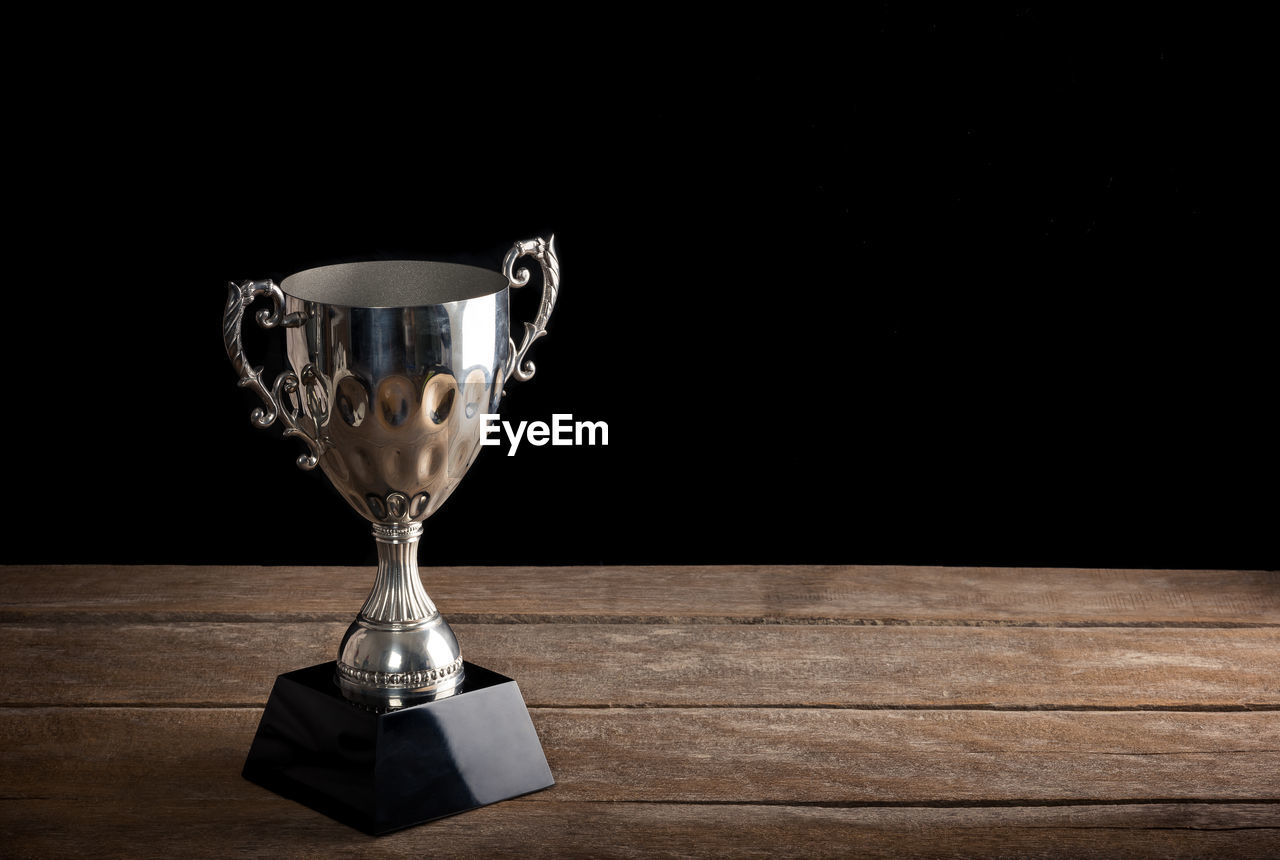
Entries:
{"x":393,"y":366}
{"x":399,"y":649}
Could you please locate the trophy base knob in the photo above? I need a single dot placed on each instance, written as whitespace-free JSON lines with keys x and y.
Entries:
{"x":391,"y":666}
{"x":381,"y":772}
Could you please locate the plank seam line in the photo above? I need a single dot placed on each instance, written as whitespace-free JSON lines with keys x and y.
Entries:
{"x":986,"y":708}
{"x":936,"y":804}
{"x":64,"y":616}
{"x":666,"y":706}
{"x":1048,"y":708}
{"x":916,"y":804}
{"x":1159,"y":827}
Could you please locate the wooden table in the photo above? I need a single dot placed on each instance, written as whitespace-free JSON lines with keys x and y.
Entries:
{"x":811,"y":711}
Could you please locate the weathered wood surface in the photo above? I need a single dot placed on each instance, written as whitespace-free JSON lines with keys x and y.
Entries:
{"x":682,"y":665}
{"x":745,"y":593}
{"x":155,"y":779}
{"x":702,"y":755}
{"x":269,"y":827}
{"x":703,"y":711}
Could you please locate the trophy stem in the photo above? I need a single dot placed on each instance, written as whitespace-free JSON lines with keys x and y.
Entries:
{"x":398,"y":596}
{"x":399,"y":650}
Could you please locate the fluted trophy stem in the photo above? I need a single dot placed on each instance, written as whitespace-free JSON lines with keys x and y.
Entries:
{"x":399,"y":650}
{"x":398,"y":596}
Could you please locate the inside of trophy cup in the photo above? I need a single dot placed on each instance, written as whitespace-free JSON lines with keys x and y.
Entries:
{"x":392,"y":284}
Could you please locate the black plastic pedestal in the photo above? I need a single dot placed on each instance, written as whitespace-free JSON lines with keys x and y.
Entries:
{"x":382,"y":772}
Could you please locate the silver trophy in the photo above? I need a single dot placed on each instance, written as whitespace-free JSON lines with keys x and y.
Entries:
{"x":392,"y":368}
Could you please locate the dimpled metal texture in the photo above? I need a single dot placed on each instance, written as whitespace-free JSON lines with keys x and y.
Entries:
{"x":398,"y":394}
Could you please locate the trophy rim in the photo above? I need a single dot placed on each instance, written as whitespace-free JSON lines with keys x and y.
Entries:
{"x":393,"y":284}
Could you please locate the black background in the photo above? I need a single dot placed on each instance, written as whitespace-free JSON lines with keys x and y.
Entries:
{"x":948,"y":288}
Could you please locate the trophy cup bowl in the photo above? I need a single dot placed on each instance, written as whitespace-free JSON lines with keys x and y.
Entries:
{"x":392,"y":367}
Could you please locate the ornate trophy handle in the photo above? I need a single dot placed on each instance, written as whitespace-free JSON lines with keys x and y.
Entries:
{"x":240,"y":297}
{"x":544,"y":253}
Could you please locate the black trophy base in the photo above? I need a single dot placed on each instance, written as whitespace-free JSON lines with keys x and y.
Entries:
{"x":382,"y":772}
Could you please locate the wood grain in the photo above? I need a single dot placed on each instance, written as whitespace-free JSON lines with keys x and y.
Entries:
{"x":696,"y":711}
{"x":266,"y":826}
{"x":218,"y":663}
{"x":793,"y":756}
{"x":844,"y":594}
